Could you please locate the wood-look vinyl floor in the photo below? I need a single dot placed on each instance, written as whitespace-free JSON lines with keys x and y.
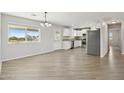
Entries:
{"x":65,"y":65}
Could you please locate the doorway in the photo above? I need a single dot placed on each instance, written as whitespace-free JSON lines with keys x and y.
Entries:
{"x":114,"y":36}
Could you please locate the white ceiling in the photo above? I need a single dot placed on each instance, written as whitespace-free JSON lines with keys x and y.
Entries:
{"x":73,"y":18}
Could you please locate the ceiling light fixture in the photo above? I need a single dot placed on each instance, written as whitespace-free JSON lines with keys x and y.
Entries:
{"x":45,"y":23}
{"x":113,"y":22}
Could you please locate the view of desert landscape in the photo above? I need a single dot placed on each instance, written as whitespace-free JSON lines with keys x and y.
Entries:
{"x":18,"y":34}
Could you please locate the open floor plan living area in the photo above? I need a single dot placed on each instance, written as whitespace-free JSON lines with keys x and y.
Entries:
{"x":62,"y":46}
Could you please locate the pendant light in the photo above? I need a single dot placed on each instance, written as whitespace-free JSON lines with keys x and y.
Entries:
{"x":45,"y":23}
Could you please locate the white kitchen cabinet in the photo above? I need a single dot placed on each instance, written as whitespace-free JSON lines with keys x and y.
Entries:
{"x":77,"y":43}
{"x":67,"y":32}
{"x":66,"y":44}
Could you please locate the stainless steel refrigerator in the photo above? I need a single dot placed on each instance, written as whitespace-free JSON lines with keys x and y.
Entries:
{"x":93,"y":42}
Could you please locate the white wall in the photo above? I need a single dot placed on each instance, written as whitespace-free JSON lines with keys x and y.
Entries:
{"x":10,"y":51}
{"x":0,"y":44}
{"x":58,"y":38}
{"x":104,"y":40}
{"x":122,"y":37}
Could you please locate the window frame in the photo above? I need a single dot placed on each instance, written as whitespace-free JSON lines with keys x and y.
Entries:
{"x":110,"y":36}
{"x":25,"y":27}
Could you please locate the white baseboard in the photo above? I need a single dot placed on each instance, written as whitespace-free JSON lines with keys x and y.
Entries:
{"x":27,"y":56}
{"x":101,"y":56}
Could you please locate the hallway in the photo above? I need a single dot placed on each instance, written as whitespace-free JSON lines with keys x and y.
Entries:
{"x":66,"y":65}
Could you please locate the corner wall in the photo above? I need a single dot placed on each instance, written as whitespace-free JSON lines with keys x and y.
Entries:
{"x":104,"y":40}
{"x":14,"y":51}
{"x":0,"y":45}
{"x":122,"y":37}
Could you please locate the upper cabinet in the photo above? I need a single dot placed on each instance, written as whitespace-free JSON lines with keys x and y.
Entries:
{"x":77,"y":33}
{"x":67,"y":32}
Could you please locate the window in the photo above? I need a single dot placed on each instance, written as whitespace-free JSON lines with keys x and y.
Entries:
{"x":16,"y":34}
{"x":32,"y":35}
{"x":21,"y":34}
{"x":110,"y":35}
